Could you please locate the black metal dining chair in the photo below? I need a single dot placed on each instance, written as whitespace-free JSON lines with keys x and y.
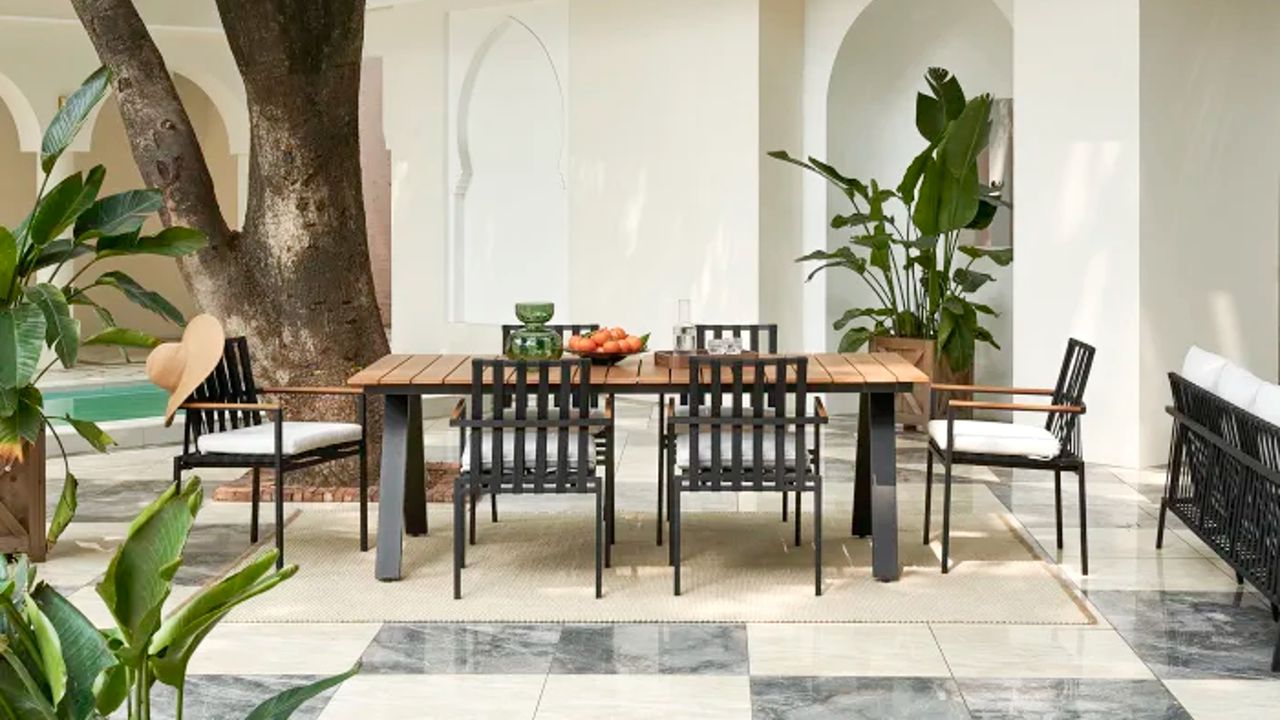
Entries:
{"x":756,"y":338}
{"x":729,"y":442}
{"x":1055,"y":446}
{"x":541,"y":442}
{"x":224,"y":427}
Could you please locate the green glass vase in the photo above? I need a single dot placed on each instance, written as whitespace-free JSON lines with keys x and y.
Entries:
{"x":534,"y":341}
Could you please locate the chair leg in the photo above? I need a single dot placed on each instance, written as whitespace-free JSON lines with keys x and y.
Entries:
{"x":798,"y":515}
{"x":493,"y":507}
{"x":459,"y":547}
{"x":1164,"y":510}
{"x":254,"y":490}
{"x":475,"y":500}
{"x":817,"y":537}
{"x":1057,"y":503}
{"x":364,"y":498}
{"x":786,"y":500}
{"x":662,"y":453}
{"x":600,"y":543}
{"x":177,"y":474}
{"x":1084,"y":527}
{"x":675,"y":533}
{"x":1275,"y":658}
{"x":946,"y":514}
{"x":279,"y":498}
{"x":928,"y":493}
{"x":610,"y":479}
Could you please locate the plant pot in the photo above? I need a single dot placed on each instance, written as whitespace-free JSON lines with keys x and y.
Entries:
{"x":22,"y":486}
{"x":913,"y":408}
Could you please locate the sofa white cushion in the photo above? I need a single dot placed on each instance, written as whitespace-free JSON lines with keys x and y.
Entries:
{"x":530,"y":450}
{"x":1203,"y":367}
{"x":1238,"y":386}
{"x":1266,"y":404}
{"x":768,"y":452}
{"x":997,"y":438}
{"x":296,"y":437}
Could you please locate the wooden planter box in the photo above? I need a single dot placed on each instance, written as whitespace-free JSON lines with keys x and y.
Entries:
{"x":913,"y":408}
{"x":22,"y":526}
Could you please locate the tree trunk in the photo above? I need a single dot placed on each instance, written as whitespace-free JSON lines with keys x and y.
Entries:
{"x":296,"y":279}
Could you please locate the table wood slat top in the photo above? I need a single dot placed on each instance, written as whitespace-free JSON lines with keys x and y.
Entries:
{"x":826,"y":370}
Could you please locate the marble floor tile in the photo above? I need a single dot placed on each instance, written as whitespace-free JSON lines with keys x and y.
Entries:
{"x":645,"y":697}
{"x":845,"y":650}
{"x":680,"y":649}
{"x":282,"y":649}
{"x":1037,"y":651}
{"x":1108,"y":543}
{"x":1194,"y":635}
{"x":458,"y":649}
{"x":855,"y":698}
{"x":1228,"y":699}
{"x":1112,"y":515}
{"x":88,"y":601}
{"x":455,"y":697}
{"x":1175,"y":574}
{"x":231,"y":696}
{"x":1070,"y":699}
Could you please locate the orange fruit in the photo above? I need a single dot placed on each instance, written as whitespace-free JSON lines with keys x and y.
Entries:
{"x":600,"y":337}
{"x":573,"y":342}
{"x":586,"y":345}
{"x":618,"y":333}
{"x":611,"y":347}
{"x":634,"y":345}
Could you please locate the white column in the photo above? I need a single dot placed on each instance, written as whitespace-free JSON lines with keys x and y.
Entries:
{"x":1076,"y":227}
{"x":242,"y":188}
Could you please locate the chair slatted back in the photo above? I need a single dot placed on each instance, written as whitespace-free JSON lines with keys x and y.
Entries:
{"x":756,"y":338}
{"x":564,"y":331}
{"x":740,"y":404}
{"x":1077,"y":363}
{"x":519,"y":399}
{"x":230,"y":382}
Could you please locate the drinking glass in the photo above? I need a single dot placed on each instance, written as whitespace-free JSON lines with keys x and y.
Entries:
{"x":733,"y":346}
{"x":717,"y":346}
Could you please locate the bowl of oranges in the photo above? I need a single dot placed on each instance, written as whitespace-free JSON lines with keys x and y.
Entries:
{"x":607,"y":346}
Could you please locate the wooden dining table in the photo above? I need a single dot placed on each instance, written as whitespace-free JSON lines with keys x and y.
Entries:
{"x":404,"y":379}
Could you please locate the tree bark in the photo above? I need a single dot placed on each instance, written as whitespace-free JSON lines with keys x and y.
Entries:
{"x":296,"y":279}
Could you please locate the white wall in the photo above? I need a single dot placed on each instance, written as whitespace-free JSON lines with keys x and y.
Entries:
{"x":1210,"y":192}
{"x":1076,"y":157}
{"x":871,"y":129}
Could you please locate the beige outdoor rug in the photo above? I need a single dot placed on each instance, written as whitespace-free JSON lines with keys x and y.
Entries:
{"x":738,"y":567}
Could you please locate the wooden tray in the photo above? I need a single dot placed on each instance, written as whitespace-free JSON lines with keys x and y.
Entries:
{"x":680,"y":361}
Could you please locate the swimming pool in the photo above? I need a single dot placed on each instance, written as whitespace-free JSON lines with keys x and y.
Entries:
{"x":103,"y":403}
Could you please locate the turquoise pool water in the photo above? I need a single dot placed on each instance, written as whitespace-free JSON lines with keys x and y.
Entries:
{"x":125,"y":401}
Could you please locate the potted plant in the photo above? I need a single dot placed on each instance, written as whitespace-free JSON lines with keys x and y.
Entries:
{"x":55,"y":665}
{"x":69,"y":227}
{"x":907,"y":243}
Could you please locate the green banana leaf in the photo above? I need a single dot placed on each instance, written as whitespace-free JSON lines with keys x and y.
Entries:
{"x":61,"y":331}
{"x":283,"y":705}
{"x":71,"y":117}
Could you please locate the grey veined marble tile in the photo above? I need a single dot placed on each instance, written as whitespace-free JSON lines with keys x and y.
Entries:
{"x":1070,"y":699}
{"x":230,"y":696}
{"x":458,"y":649}
{"x":1194,"y":634}
{"x":692,"y":649}
{"x":850,"y":698}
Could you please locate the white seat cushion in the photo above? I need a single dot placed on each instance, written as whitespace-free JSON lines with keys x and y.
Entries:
{"x":997,"y":438}
{"x":768,"y":451}
{"x":1238,"y":386}
{"x":1266,"y":404}
{"x":1203,"y":367}
{"x":296,"y":437}
{"x":530,"y":450}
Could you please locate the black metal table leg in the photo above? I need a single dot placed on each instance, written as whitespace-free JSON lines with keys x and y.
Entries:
{"x":884,"y":488}
{"x":415,"y":485}
{"x":391,"y":489}
{"x":861,"y":523}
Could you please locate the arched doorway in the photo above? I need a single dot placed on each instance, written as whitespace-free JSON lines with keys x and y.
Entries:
{"x":17,"y":162}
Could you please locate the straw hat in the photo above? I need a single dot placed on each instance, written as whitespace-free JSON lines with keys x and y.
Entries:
{"x":180,"y":367}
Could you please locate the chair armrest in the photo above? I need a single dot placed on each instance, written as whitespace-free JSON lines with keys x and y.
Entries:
{"x":316,"y":390}
{"x":456,"y":416}
{"x":1016,"y":407}
{"x":248,"y":407}
{"x":990,"y":389}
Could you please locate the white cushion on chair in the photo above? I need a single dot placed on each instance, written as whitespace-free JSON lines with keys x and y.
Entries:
{"x":1266,"y":404}
{"x":1203,"y":367}
{"x":296,"y":437}
{"x":997,"y":438}
{"x":530,"y":450}
{"x":1238,"y":386}
{"x":768,"y":452}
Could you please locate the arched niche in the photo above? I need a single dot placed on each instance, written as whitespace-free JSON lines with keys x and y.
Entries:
{"x":108,"y":145}
{"x":509,"y":201}
{"x":17,"y":169}
{"x":870,"y":119}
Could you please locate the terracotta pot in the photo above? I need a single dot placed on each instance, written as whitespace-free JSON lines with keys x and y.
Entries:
{"x":22,"y":522}
{"x":913,"y":408}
